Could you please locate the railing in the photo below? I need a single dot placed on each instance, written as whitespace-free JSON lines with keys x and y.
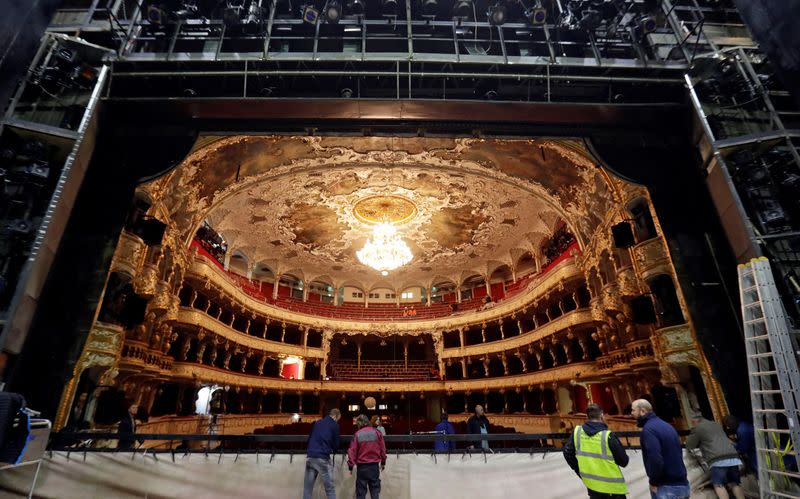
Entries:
{"x":167,"y":443}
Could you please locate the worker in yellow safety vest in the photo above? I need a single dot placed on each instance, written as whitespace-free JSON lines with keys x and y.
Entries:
{"x":596,"y":454}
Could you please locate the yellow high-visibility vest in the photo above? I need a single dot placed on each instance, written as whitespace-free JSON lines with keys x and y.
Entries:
{"x":598,"y":470}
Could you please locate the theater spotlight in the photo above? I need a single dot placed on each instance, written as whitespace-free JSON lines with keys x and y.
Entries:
{"x":356,"y":7}
{"x":462,"y":8}
{"x":231,"y":16}
{"x":590,"y":19}
{"x":536,"y":15}
{"x":156,"y":15}
{"x":497,"y":14}
{"x":310,"y":14}
{"x":389,"y":7}
{"x":332,"y":11}
{"x":647,"y":24}
{"x":430,"y":7}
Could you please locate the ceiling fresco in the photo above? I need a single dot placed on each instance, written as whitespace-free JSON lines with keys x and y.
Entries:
{"x":305,"y":205}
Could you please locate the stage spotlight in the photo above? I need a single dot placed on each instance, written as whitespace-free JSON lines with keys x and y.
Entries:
{"x":332,"y":11}
{"x":156,"y":15}
{"x":310,"y":14}
{"x":490,"y":95}
{"x":231,"y":16}
{"x":647,"y":24}
{"x":430,"y":7}
{"x":497,"y":14}
{"x":356,"y":7}
{"x":346,"y":93}
{"x":536,"y":15}
{"x":462,"y":8}
{"x":590,"y":19}
{"x":389,"y":7}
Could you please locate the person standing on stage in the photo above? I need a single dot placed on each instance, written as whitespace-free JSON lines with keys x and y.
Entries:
{"x":323,"y":441}
{"x":367,"y":451}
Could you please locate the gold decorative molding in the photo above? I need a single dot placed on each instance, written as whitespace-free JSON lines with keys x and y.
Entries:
{"x":103,"y":348}
{"x":651,"y":258}
{"x":205,"y":274}
{"x":575,"y":318}
{"x":193,"y":317}
{"x":206,"y":374}
{"x":129,"y":255}
{"x":146,"y":280}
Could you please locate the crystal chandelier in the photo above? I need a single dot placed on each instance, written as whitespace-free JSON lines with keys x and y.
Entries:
{"x":385,"y":251}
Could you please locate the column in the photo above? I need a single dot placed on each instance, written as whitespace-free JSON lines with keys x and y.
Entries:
{"x":458,"y":294}
{"x":305,"y":293}
{"x":461,"y":336}
{"x":226,"y":361}
{"x":185,"y":346}
{"x":504,"y":360}
{"x":405,"y":354}
{"x":505,"y":400}
{"x":264,"y":332}
{"x":245,"y":356}
{"x":366,"y":299}
{"x":524,"y":359}
{"x":283,"y":331}
{"x":227,"y":259}
{"x":486,"y":367}
{"x":247,"y":327}
{"x":486,"y":401}
{"x":275,"y":287}
{"x":466,"y":402}
{"x":519,"y":327}
{"x":488,"y":287}
{"x":233,"y":318}
{"x":358,"y":365}
{"x":483,"y":332}
{"x":193,"y":298}
{"x":261,"y":361}
{"x":428,"y":296}
{"x":280,"y":401}
{"x":201,"y":350}
{"x":502,"y":334}
{"x":300,"y":402}
{"x":464,"y":368}
{"x":305,"y":336}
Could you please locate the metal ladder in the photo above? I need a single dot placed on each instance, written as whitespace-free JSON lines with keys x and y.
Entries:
{"x":774,"y":379}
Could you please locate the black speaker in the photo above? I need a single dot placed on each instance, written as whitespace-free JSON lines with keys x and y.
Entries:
{"x":151,"y":230}
{"x":623,"y":235}
{"x":643,"y":311}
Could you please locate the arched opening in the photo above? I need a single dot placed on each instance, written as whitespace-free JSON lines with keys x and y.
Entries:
{"x":525,"y":265}
{"x":498,"y":279}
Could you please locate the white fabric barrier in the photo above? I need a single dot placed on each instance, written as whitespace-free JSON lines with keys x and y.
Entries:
{"x":116,"y":475}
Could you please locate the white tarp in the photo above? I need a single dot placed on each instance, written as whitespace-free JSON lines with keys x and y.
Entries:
{"x":107,"y":475}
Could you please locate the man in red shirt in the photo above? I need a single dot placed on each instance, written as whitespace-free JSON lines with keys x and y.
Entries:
{"x":367,"y":450}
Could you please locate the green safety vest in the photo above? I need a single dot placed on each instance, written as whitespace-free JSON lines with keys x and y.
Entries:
{"x":598,"y":470}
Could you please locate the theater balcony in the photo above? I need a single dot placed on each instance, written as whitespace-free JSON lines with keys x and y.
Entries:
{"x":531,"y":281}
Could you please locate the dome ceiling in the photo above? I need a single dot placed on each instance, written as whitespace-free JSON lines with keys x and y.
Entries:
{"x":305,"y":205}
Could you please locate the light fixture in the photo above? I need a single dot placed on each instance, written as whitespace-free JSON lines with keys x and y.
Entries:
{"x":536,"y":15}
{"x":647,"y":24}
{"x":356,"y":7}
{"x":389,"y":7}
{"x":310,"y":14}
{"x":462,"y":8}
{"x":332,"y":11}
{"x":385,"y":251}
{"x":497,"y":13}
{"x":430,"y":7}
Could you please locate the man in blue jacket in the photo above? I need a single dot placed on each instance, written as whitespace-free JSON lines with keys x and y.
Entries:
{"x":323,"y":442}
{"x":445,"y":427}
{"x":662,"y":454}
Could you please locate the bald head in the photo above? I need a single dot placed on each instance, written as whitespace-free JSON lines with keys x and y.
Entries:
{"x":479,"y":410}
{"x":641,"y":408}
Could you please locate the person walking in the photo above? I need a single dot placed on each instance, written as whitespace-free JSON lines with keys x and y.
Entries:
{"x":596,"y":455}
{"x":661,"y":453}
{"x":367,"y":450}
{"x":478,"y":423}
{"x":720,"y":454}
{"x":378,"y":425}
{"x":323,"y":441}
{"x":444,"y":427}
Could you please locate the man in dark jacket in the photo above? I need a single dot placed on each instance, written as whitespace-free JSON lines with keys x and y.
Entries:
{"x":127,"y":428}
{"x":745,"y":439}
{"x":662,"y":454}
{"x":718,"y":451}
{"x":324,"y":441}
{"x":476,"y":424}
{"x":607,"y":466}
{"x":444,"y":427}
{"x":367,"y":450}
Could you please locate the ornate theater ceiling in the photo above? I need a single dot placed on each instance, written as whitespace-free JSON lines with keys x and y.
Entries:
{"x":305,"y":205}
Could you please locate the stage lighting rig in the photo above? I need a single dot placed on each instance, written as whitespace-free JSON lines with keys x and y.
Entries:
{"x":462,"y":8}
{"x":160,"y":13}
{"x":356,"y":7}
{"x":389,"y":7}
{"x":430,"y":8}
{"x":536,"y":15}
{"x":332,"y":11}
{"x":64,"y":71}
{"x":310,"y":14}
{"x":497,"y":13}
